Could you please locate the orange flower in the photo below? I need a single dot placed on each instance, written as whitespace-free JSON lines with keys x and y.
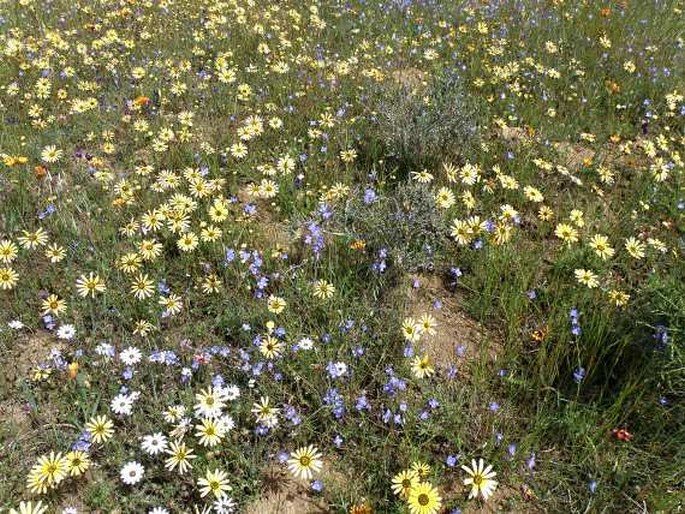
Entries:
{"x":358,"y":244}
{"x":539,"y":335}
{"x":40,"y":171}
{"x":72,"y":370}
{"x":605,"y":12}
{"x":622,"y":434}
{"x":141,"y":101}
{"x":361,"y":508}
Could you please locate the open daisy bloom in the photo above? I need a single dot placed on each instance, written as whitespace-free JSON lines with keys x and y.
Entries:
{"x":214,"y":482}
{"x":404,"y":482}
{"x":480,"y":479}
{"x":30,"y":508}
{"x":303,"y":461}
{"x":424,"y":499}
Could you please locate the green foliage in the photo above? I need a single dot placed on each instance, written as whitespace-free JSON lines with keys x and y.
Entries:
{"x":421,"y":127}
{"x":530,"y":94}
{"x":406,"y":222}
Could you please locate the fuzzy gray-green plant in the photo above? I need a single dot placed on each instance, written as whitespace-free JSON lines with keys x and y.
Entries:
{"x":421,"y":126}
{"x":406,"y":222}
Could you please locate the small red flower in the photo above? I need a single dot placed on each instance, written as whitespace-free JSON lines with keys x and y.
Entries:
{"x":622,"y":434}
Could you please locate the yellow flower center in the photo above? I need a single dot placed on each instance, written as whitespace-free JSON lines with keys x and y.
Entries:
{"x":423,"y":499}
{"x":305,"y":461}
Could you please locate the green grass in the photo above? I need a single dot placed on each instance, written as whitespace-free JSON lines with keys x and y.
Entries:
{"x":428,"y":87}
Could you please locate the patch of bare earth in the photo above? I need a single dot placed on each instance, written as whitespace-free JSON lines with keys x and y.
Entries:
{"x":20,"y":356}
{"x":269,"y":227}
{"x":286,"y":495}
{"x":28,"y":352}
{"x":14,"y":416}
{"x":458,"y":336}
{"x":516,"y":135}
{"x":19,"y":423}
{"x":574,"y":156}
{"x":411,"y":78}
{"x":505,"y":499}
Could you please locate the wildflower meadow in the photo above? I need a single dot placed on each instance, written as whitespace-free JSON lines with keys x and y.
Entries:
{"x":342,"y":256}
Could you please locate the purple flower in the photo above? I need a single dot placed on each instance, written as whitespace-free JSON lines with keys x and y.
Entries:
{"x":317,"y":486}
{"x":325,"y":211}
{"x":451,"y":461}
{"x":313,"y":237}
{"x":83,"y":443}
{"x":578,"y":374}
{"x":362,"y":403}
{"x":662,"y":338}
{"x":336,"y":369}
{"x":49,"y":322}
{"x":369,"y":196}
{"x":511,"y":449}
{"x":574,"y":314}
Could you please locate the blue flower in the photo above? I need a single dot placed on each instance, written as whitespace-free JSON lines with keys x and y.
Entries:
{"x":578,"y":375}
{"x":369,"y":196}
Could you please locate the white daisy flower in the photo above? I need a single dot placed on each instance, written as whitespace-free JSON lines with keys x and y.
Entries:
{"x":306,"y":343}
{"x":15,"y":325}
{"x":131,"y":356}
{"x":154,"y":444}
{"x":66,"y":332}
{"x":132,"y":473}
